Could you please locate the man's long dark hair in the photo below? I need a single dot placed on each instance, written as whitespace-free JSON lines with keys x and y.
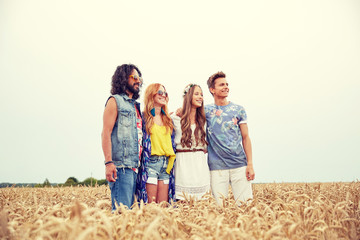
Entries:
{"x":120,"y":79}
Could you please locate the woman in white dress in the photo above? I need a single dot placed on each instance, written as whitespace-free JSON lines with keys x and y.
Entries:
{"x":192,"y":176}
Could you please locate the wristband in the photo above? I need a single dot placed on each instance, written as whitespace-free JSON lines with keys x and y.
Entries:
{"x":106,"y":163}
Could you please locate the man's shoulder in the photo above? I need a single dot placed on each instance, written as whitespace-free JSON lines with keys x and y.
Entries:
{"x":122,"y":96}
{"x":117,"y":96}
{"x":235,"y":106}
{"x":231,"y":103}
{"x":209,"y":106}
{"x":123,"y":101}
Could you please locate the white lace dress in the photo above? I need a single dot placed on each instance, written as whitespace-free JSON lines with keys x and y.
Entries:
{"x":192,"y":175}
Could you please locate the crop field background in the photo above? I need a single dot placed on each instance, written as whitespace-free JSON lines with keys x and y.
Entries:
{"x":278,"y":211}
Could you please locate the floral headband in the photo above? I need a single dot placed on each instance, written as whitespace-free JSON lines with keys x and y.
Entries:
{"x":187,"y":88}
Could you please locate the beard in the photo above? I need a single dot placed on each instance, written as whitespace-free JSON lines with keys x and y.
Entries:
{"x":133,"y":90}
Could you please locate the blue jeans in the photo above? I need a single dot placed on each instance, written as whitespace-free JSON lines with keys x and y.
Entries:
{"x":123,"y":190}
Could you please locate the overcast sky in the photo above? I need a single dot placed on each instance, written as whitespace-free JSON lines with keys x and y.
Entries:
{"x":293,"y":65}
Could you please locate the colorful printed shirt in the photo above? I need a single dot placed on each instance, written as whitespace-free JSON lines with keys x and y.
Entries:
{"x":140,"y":135}
{"x":225,"y":150}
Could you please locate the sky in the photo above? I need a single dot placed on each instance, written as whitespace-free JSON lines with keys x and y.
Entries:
{"x":293,"y":65}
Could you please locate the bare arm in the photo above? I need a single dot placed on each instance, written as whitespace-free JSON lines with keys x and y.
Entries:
{"x":109,"y":118}
{"x":250,"y":174}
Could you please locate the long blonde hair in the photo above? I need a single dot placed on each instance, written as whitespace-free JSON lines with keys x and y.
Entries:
{"x":186,"y":122}
{"x":150,"y":93}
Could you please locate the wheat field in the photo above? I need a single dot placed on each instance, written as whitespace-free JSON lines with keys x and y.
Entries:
{"x":278,"y":211}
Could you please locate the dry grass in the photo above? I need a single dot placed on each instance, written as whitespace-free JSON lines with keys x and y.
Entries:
{"x":278,"y":211}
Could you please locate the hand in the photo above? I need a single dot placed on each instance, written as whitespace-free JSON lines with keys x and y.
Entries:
{"x":250,"y":174}
{"x":111,"y":172}
{"x":178,"y":112}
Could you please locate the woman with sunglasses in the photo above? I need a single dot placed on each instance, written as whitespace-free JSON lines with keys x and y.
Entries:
{"x":192,"y":175}
{"x":155,"y":181}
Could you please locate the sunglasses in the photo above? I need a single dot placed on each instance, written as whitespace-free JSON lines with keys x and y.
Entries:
{"x":162,"y":93}
{"x":137,"y":78}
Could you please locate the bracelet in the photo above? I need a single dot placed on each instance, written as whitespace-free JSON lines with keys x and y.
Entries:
{"x":106,"y":163}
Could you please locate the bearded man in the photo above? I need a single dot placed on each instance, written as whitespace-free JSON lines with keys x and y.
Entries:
{"x":122,"y":134}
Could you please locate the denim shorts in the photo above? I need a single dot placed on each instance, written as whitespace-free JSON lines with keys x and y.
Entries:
{"x":156,"y":169}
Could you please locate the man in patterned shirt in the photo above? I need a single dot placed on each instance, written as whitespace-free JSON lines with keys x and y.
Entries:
{"x":229,"y":149}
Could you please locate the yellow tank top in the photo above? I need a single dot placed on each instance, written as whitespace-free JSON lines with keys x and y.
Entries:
{"x":161,"y":144}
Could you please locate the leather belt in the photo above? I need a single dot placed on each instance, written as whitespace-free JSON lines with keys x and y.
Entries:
{"x":189,"y":150}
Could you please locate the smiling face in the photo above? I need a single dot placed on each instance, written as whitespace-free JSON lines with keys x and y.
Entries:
{"x":160,"y":99}
{"x":197,"y":98}
{"x":134,"y":82}
{"x":221,"y":88}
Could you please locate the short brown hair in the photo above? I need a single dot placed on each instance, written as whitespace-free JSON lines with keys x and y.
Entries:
{"x":212,"y":78}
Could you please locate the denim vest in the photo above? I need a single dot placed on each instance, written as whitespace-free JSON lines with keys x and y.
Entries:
{"x":124,"y":136}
